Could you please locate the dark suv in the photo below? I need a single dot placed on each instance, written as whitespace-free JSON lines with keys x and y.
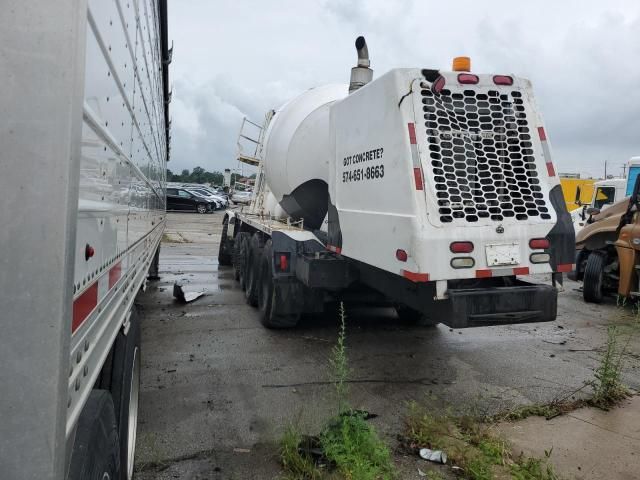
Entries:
{"x":180,"y":199}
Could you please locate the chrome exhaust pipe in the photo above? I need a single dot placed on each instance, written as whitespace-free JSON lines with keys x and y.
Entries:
{"x":361,"y":74}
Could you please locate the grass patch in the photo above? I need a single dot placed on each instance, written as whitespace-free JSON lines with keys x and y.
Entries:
{"x":473,"y":446}
{"x":348,"y":444}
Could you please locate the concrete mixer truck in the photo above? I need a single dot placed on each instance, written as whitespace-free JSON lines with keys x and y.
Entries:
{"x":431,"y":191}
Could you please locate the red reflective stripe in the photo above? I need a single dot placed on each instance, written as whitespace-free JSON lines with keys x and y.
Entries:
{"x":484,"y":273}
{"x":412,"y":133}
{"x":84,"y":305}
{"x":521,"y":271}
{"x":550,"y":170}
{"x":565,"y":267}
{"x":114,"y":274}
{"x":542,"y":134}
{"x":417,"y":174}
{"x":415,"y":277}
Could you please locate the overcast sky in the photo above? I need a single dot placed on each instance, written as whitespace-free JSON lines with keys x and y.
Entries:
{"x":241,"y":58}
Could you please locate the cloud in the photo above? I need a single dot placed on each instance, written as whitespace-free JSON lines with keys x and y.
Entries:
{"x":236,"y":59}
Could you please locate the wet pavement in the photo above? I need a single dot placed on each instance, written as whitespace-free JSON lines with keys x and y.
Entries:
{"x":218,"y":388}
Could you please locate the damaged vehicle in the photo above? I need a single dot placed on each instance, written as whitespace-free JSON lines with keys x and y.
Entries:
{"x":608,"y":250}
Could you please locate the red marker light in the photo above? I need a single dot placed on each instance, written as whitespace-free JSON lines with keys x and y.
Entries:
{"x":401,"y":255}
{"x":502,"y":80}
{"x":89,"y":252}
{"x":468,"y":78}
{"x":539,"y":243}
{"x":461,"y":247}
{"x":284,"y":262}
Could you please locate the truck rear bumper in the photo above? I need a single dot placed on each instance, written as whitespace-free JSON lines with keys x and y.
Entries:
{"x":479,"y":307}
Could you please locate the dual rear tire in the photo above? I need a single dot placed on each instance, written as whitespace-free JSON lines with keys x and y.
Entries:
{"x":593,"y":281}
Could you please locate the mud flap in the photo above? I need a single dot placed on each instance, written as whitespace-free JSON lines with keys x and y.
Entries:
{"x":480,"y":307}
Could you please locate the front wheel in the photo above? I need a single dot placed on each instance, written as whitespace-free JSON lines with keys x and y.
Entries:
{"x":201,"y":208}
{"x":592,"y":290}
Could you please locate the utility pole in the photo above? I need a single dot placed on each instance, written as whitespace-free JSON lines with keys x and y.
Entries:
{"x":624,"y":171}
{"x":605,"y":169}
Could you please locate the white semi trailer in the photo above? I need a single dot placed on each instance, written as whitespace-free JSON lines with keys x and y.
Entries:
{"x":431,"y":190}
{"x":85,"y":140}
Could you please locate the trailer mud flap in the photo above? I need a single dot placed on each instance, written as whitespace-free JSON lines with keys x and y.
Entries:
{"x":524,"y":303}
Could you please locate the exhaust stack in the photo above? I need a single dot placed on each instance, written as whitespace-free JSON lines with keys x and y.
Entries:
{"x":361,"y":74}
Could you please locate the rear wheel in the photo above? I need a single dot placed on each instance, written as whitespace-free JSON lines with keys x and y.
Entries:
{"x":201,"y":208}
{"x":252,"y":269}
{"x":269,"y":301}
{"x":96,"y":453}
{"x":238,"y":260}
{"x":592,"y":290}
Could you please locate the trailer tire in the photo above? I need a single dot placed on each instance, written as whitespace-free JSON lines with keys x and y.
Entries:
{"x":267,"y":295}
{"x":252,"y":269}
{"x":224,"y":257}
{"x":125,"y":390}
{"x":244,"y":258}
{"x":414,"y":317}
{"x":592,"y":290}
{"x":96,"y":453}
{"x":237,"y":254}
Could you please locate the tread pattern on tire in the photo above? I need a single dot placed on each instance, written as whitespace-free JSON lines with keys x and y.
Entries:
{"x":224,"y":258}
{"x":96,"y":450}
{"x":252,"y":269}
{"x":238,"y":261}
{"x":593,"y":278}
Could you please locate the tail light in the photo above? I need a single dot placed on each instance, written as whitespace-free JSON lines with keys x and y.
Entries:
{"x":462,"y":262}
{"x":438,"y":85}
{"x":401,"y":255}
{"x":540,"y":258}
{"x":502,"y":80}
{"x":539,"y":243}
{"x":461,"y":247}
{"x":468,"y":78}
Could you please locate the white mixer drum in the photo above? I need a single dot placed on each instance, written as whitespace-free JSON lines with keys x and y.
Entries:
{"x":297,"y":154}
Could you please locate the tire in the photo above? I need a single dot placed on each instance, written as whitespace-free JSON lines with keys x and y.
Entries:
{"x":252,"y":269}
{"x":244,"y":258}
{"x":592,"y":290}
{"x":96,"y":453}
{"x":414,"y":317}
{"x":224,"y":257}
{"x":267,"y":295}
{"x":201,"y":208}
{"x":238,"y":262}
{"x":125,"y":389}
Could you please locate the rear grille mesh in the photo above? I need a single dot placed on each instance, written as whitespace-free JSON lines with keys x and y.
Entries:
{"x":481,"y":153}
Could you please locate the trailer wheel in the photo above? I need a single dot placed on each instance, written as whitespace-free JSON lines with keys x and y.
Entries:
{"x":414,"y":317}
{"x":96,"y":453}
{"x":268,"y":298}
{"x":252,"y":269}
{"x":238,"y":261}
{"x":592,"y":291}
{"x":244,"y":258}
{"x":224,"y":257}
{"x":125,"y":389}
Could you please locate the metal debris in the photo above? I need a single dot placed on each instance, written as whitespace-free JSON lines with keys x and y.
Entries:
{"x":185,"y":297}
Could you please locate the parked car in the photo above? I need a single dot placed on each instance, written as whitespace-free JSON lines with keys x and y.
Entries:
{"x":241,"y":197}
{"x":183,"y":200}
{"x":206,"y":193}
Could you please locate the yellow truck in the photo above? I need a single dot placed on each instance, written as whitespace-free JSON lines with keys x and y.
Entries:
{"x":577,"y":191}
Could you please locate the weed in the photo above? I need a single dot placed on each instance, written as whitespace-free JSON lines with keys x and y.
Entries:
{"x":339,"y":366}
{"x":348,"y":441}
{"x":354,"y":446}
{"x":608,"y":388}
{"x":297,"y":465}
